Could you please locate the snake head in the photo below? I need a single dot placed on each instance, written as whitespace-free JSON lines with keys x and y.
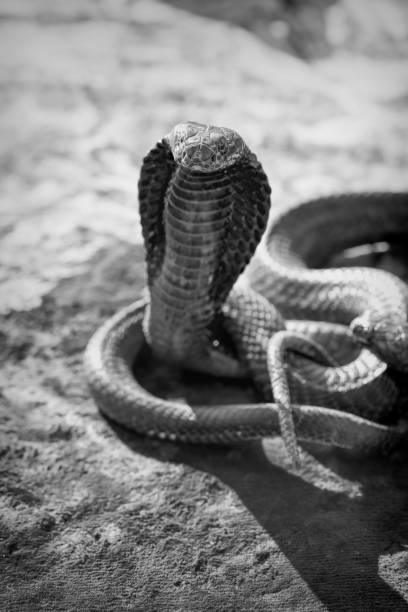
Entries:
{"x":205,"y":148}
{"x":387,"y":337}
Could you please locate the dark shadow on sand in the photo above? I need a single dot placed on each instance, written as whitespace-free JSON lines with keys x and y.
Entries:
{"x":334,"y":542}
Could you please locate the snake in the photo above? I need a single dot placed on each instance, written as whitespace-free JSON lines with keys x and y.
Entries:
{"x":319,"y":344}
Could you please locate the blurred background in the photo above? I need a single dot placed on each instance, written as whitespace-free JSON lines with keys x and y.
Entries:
{"x":318,"y":89}
{"x":92,"y":517}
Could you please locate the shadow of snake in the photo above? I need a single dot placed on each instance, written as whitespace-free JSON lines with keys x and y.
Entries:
{"x":332,"y":538}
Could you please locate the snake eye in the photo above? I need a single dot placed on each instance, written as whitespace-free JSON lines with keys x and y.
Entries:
{"x":362,"y":329}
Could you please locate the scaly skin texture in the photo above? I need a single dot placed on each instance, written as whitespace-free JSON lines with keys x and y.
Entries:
{"x":187,"y":225}
{"x":108,"y":365}
{"x":204,"y":201}
{"x":373,"y":302}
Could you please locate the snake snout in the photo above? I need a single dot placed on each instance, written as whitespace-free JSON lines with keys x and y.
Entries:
{"x":198,"y":157}
{"x":386,"y":337}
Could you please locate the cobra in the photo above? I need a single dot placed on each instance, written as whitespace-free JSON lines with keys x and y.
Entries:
{"x":317,"y":343}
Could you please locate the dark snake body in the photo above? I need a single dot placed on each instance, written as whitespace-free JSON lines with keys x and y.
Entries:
{"x":200,"y":231}
{"x":196,"y":253}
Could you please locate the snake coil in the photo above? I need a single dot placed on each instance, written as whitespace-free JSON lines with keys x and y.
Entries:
{"x":204,"y":203}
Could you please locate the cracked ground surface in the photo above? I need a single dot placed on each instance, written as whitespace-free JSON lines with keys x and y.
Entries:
{"x":94,"y":517}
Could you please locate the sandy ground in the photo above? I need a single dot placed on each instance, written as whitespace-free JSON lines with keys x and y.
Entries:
{"x":94,"y":517}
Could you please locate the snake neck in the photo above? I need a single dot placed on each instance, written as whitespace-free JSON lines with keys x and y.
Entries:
{"x":197,"y":208}
{"x":200,"y":230}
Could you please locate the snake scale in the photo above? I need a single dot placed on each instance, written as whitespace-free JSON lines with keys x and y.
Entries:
{"x":319,"y":344}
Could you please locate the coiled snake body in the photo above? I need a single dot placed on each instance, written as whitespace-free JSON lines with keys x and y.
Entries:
{"x":204,"y":204}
